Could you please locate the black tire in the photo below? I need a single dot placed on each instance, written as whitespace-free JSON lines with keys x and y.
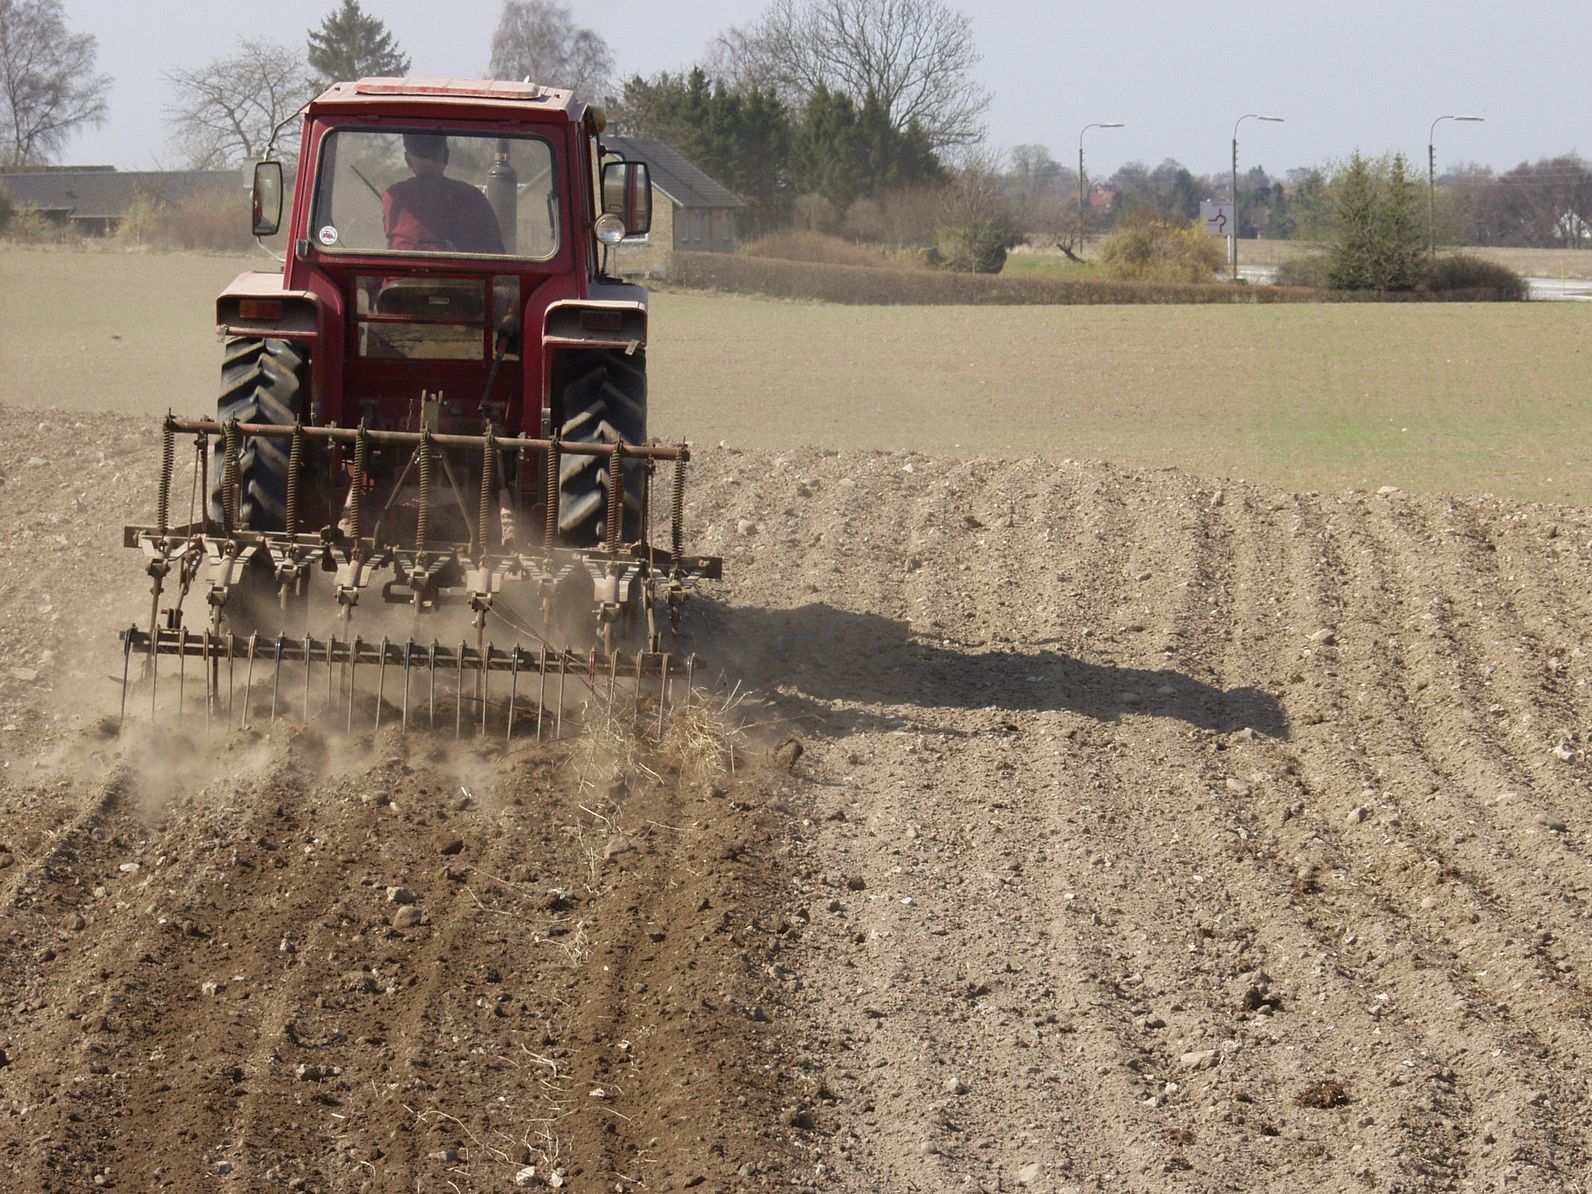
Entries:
{"x":262,"y":381}
{"x":605,"y":402}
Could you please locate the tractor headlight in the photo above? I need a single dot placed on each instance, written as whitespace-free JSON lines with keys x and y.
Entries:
{"x":610,"y":228}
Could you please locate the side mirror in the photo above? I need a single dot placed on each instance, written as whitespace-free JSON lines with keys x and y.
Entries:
{"x":267,"y":197}
{"x":627,"y":193}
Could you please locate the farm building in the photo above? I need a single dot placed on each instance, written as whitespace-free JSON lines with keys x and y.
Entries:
{"x":690,"y":211}
{"x":92,"y":200}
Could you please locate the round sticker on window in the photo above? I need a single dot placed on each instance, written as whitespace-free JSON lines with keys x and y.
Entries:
{"x":328,"y":235}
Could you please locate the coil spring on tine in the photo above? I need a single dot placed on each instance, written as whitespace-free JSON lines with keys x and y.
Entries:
{"x":295,"y":462}
{"x":677,"y":511}
{"x":616,"y":496}
{"x":488,"y":460}
{"x":423,"y":467}
{"x":356,"y":502}
{"x":229,"y":476}
{"x":552,"y":494}
{"x":168,"y":465}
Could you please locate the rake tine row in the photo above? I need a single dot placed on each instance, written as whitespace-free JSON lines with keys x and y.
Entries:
{"x":472,"y":668}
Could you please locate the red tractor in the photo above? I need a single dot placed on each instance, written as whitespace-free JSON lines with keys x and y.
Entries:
{"x":442,"y":390}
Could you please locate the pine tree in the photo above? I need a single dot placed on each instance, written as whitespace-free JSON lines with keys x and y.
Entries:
{"x":1353,"y":252}
{"x":1403,"y":235}
{"x":351,"y":45}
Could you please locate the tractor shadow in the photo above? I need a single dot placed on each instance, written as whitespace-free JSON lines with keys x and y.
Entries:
{"x":814,"y":661}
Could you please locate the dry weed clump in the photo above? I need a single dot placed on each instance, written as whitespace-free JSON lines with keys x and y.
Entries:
{"x":798,"y":244}
{"x":923,"y":287}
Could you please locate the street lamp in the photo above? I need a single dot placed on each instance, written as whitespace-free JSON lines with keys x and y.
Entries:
{"x":1236,"y":123}
{"x":1431,"y":179}
{"x":1112,"y":124}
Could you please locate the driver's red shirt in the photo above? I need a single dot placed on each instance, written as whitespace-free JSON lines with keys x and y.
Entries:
{"x":434,"y":212}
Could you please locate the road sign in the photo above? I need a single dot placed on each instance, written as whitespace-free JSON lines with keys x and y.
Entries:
{"x":1218,"y":218}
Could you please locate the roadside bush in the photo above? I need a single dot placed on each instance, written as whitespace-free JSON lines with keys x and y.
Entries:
{"x":1162,"y":247}
{"x":6,"y":208}
{"x":142,"y":222}
{"x":216,"y":219}
{"x":1309,"y":269}
{"x":1464,"y":272}
{"x":796,"y":244}
{"x":30,"y":226}
{"x":814,"y":213}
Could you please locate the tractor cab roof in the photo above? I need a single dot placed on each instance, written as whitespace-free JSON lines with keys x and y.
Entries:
{"x":496,"y":99}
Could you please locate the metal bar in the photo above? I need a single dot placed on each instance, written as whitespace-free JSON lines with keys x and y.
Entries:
{"x":663,"y":695}
{"x":307,"y":679}
{"x":563,"y":674}
{"x":353,"y":681}
{"x":209,"y":692}
{"x":485,"y":682}
{"x":127,"y":668}
{"x":182,"y":669}
{"x":409,"y":646}
{"x":232,"y":659}
{"x":458,"y":695}
{"x":431,"y":700}
{"x":451,"y":440}
{"x":331,"y":673}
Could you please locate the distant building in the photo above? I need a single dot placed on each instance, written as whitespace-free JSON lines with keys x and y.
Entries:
{"x":92,"y":200}
{"x":690,"y":211}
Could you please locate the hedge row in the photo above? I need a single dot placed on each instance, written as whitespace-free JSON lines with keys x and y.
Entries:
{"x":862,"y":286}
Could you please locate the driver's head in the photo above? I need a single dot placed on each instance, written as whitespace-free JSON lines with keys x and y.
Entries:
{"x":426,"y":153}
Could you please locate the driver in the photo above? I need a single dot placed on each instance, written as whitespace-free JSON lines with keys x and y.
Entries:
{"x":434,"y":212}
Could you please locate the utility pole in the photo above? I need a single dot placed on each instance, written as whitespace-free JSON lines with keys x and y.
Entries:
{"x":1233,"y":244}
{"x":1431,"y":179}
{"x":1082,"y":193}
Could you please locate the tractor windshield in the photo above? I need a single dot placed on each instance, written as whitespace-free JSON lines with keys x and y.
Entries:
{"x":436,"y":193}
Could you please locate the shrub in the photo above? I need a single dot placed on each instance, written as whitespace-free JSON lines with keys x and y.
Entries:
{"x":795,"y":244}
{"x":216,"y":219}
{"x":142,"y":222}
{"x":1309,"y":269}
{"x":1161,"y":247}
{"x":1464,"y":272}
{"x":814,"y":213}
{"x":6,"y":208}
{"x":976,"y":245}
{"x":30,"y":226}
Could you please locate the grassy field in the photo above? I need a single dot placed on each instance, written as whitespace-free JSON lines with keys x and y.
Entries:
{"x":1448,"y":398}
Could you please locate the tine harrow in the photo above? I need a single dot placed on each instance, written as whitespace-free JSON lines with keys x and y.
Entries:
{"x":658,"y":681}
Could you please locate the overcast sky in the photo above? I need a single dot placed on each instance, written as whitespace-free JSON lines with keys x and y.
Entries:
{"x":1344,"y":76}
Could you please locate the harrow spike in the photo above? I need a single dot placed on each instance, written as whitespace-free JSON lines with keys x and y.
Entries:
{"x":154,"y":668}
{"x":331,"y":672}
{"x":514,"y":689}
{"x":563,"y":675}
{"x":232,"y":661}
{"x":307,"y":679}
{"x":663,"y":695}
{"x":541,"y":692}
{"x":381,"y":682}
{"x":209,"y":691}
{"x":276,"y":677}
{"x":127,"y":666}
{"x":353,"y":680}
{"x":408,"y":649}
{"x":182,"y":669}
{"x":485,"y":662}
{"x":458,"y":695}
{"x":248,"y":676}
{"x":431,"y":708}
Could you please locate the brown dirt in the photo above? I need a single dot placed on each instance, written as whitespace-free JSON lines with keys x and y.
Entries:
{"x":1146,"y":834}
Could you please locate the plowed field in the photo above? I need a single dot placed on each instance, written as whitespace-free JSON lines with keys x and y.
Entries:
{"x":1152,"y":832}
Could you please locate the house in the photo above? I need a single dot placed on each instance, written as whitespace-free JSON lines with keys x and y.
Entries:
{"x":92,"y":200}
{"x":690,"y":211}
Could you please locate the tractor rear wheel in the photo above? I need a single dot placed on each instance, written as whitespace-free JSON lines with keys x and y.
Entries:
{"x":262,"y":381}
{"x":605,"y":402}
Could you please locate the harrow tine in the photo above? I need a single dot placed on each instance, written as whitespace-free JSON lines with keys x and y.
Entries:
{"x":307,"y":679}
{"x":563,"y":674}
{"x":232,"y":659}
{"x":248,"y":676}
{"x":663,"y":695}
{"x":331,"y":672}
{"x":690,"y":689}
{"x":154,"y":669}
{"x":353,"y":680}
{"x":541,"y":690}
{"x":458,"y":695}
{"x":182,"y":669}
{"x":409,"y":646}
{"x":514,"y":688}
{"x":613,"y":675}
{"x":209,"y":694}
{"x":431,"y":700}
{"x":486,"y":675}
{"x":127,"y":667}
{"x":276,"y":678}
{"x":636,"y":712}
{"x":381,"y":681}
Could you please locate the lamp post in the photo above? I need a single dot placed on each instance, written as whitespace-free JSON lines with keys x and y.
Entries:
{"x":1431,"y":179}
{"x":1082,"y":195}
{"x":1236,"y":123}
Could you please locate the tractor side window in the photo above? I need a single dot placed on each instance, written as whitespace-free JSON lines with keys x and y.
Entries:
{"x":436,"y":193}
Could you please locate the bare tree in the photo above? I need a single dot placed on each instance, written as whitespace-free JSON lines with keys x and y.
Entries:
{"x":48,"y":89}
{"x":539,"y":40}
{"x":240,"y":108}
{"x":916,"y":56}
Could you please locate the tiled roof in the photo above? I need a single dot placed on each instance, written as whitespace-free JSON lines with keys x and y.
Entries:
{"x":672,"y":174}
{"x":106,"y":194}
